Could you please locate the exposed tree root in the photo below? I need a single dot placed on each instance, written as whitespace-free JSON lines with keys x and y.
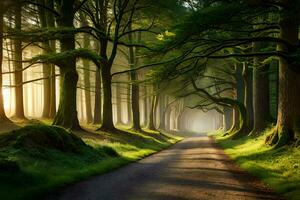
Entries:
{"x":280,"y":137}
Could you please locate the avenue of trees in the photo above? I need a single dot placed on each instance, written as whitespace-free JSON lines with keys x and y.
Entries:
{"x":148,"y":63}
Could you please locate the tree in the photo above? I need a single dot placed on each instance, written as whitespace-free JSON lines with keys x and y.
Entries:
{"x":67,"y":113}
{"x":133,"y":61}
{"x":218,"y":37}
{"x":86,"y":73}
{"x":18,"y":77}
{"x":3,"y":6}
{"x":47,"y":20}
{"x":111,"y":21}
{"x":289,"y":77}
{"x":261,"y":98}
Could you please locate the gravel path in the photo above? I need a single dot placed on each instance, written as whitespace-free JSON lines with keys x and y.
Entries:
{"x":192,"y":169}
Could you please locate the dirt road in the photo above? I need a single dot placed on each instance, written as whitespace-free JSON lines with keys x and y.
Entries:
{"x":192,"y":169}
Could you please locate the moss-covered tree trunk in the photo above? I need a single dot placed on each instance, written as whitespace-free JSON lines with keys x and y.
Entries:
{"x":289,"y":81}
{"x":98,"y":90}
{"x":107,"y":121}
{"x":162,"y":107}
{"x":248,"y":95}
{"x":168,"y":119}
{"x":18,"y":75}
{"x":3,"y":116}
{"x":87,"y":92}
{"x":46,"y":66}
{"x":86,"y":73}
{"x":227,"y":118}
{"x":135,"y":96}
{"x":261,"y":94}
{"x":261,"y":98}
{"x":98,"y":99}
{"x":51,"y":23}
{"x":87,"y":83}
{"x":145,"y":108}
{"x":239,"y":92}
{"x":129,"y":110}
{"x":152,"y":112}
{"x":119,"y":103}
{"x":239,"y":128}
{"x":66,"y":115}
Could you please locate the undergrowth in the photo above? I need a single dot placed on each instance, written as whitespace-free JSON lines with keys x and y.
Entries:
{"x":276,"y":167}
{"x":38,"y":159}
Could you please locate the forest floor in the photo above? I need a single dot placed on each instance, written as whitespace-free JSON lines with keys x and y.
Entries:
{"x":278,"y":168}
{"x":193,"y":169}
{"x":38,"y":159}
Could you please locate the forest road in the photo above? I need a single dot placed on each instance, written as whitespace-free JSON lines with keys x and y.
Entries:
{"x":191,"y":169}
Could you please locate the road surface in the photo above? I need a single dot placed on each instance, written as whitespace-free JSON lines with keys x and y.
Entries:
{"x":194,"y":169}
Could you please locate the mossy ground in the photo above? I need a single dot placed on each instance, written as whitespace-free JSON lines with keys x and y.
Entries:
{"x":31,"y":166}
{"x":278,"y":168}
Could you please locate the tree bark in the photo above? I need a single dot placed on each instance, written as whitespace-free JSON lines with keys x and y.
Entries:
{"x":261,"y":95}
{"x":248,"y":99}
{"x":162,"y":107}
{"x":66,"y":115}
{"x":145,"y":108}
{"x":87,"y":83}
{"x":289,"y":81}
{"x":129,"y":110}
{"x":119,"y":103}
{"x":134,"y":86}
{"x":19,"y":104}
{"x":51,"y":23}
{"x":151,"y":125}
{"x":107,"y":122}
{"x":46,"y":66}
{"x":98,"y":99}
{"x":228,"y":118}
{"x":3,"y":116}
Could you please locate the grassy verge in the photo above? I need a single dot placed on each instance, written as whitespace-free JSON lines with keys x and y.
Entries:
{"x":278,"y":168}
{"x":38,"y":159}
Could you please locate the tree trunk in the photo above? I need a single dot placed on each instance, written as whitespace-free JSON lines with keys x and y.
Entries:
{"x":247,"y":79}
{"x":152,"y":112}
{"x":119,"y":103}
{"x":19,"y":104}
{"x":86,"y":73}
{"x":87,"y":93}
{"x":107,"y":123}
{"x":129,"y":110}
{"x":87,"y":83}
{"x":228,"y":118}
{"x":145,"y":109}
{"x":3,"y":116}
{"x":289,"y":82}
{"x":261,"y":96}
{"x":51,"y":23}
{"x":66,"y":115}
{"x":240,"y":128}
{"x":134,"y":86}
{"x":162,"y":107}
{"x":46,"y":66}
{"x":168,"y":119}
{"x":98,"y":100}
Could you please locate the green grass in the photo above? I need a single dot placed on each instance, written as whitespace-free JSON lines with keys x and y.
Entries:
{"x":277,"y":168}
{"x":32,"y":166}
